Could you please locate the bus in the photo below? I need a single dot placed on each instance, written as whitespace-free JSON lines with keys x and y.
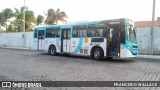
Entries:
{"x":96,"y":39}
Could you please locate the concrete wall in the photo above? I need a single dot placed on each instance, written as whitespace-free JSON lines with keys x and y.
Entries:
{"x":143,"y":38}
{"x":16,"y":39}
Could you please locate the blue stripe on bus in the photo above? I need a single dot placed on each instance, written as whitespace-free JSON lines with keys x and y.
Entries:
{"x":79,"y":45}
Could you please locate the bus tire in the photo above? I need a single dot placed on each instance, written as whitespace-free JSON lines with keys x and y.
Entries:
{"x":97,"y":54}
{"x":52,"y":50}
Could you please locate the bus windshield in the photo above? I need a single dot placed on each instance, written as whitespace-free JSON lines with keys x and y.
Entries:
{"x":131,"y":34}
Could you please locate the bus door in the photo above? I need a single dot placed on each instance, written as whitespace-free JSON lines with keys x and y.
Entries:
{"x":35,"y":40}
{"x":65,"y":40}
{"x":113,"y":47}
{"x":40,"y":40}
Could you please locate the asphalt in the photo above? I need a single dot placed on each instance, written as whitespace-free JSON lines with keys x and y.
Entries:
{"x":30,"y":49}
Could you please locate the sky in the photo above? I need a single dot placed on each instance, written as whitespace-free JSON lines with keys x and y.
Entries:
{"x":90,"y":10}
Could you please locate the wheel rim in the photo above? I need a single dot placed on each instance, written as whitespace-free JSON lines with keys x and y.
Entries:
{"x":96,"y":54}
{"x":52,"y":51}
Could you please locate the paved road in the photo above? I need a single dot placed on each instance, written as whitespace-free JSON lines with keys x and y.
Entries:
{"x":37,"y":66}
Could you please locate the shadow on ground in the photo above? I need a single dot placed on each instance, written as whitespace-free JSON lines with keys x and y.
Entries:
{"x":118,"y":60}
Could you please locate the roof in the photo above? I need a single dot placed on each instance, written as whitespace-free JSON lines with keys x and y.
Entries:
{"x":147,"y":23}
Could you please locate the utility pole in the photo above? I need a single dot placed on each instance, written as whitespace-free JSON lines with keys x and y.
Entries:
{"x":152,"y":28}
{"x":24,"y":34}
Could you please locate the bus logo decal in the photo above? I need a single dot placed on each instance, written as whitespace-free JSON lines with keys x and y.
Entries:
{"x":79,"y":45}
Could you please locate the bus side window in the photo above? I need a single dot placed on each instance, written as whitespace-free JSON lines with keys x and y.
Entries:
{"x":82,"y":33}
{"x":50,"y":33}
{"x":99,"y":32}
{"x":75,"y":33}
{"x":91,"y":32}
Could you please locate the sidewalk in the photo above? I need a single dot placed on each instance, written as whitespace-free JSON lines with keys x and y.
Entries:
{"x":17,"y":48}
{"x":149,"y":56}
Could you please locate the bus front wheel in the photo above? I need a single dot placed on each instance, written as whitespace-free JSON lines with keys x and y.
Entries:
{"x":52,"y":50}
{"x":97,"y":54}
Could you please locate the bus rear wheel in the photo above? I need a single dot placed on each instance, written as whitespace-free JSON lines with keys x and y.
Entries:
{"x":97,"y":54}
{"x":52,"y":50}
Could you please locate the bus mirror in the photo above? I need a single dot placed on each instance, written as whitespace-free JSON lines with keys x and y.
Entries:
{"x":122,"y":39}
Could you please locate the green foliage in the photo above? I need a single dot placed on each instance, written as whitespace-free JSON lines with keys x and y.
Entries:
{"x":53,"y":16}
{"x":29,"y":18}
{"x":7,"y":14}
{"x":39,"y":19}
{"x":9,"y":29}
{"x":2,"y":19}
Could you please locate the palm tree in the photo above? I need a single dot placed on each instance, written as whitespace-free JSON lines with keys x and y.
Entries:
{"x":54,"y":16}
{"x":39,"y":19}
{"x":29,"y":18}
{"x":19,"y":16}
{"x":2,"y":21}
{"x":5,"y":15}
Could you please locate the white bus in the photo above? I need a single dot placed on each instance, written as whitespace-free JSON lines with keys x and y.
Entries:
{"x":97,"y":39}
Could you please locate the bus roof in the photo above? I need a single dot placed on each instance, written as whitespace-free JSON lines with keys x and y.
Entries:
{"x":79,"y":23}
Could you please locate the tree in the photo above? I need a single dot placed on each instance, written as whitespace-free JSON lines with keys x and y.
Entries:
{"x":39,"y":19}
{"x":18,"y":22}
{"x":29,"y":18}
{"x":2,"y":21}
{"x":54,"y":16}
{"x":10,"y":29}
{"x":5,"y":15}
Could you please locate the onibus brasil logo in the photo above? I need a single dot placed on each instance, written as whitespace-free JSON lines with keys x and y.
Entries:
{"x":21,"y":84}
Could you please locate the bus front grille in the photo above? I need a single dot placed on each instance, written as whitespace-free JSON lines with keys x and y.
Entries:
{"x":81,"y":50}
{"x":85,"y":51}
